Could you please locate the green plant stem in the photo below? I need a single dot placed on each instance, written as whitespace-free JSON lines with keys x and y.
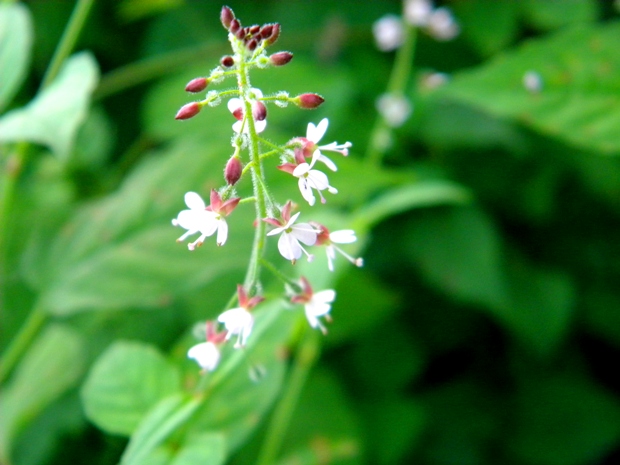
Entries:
{"x":68,"y":40}
{"x":307,"y":354}
{"x":14,"y":166}
{"x":401,"y":72}
{"x":281,"y":276}
{"x":21,"y":342}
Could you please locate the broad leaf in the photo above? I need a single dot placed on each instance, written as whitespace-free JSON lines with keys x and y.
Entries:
{"x":55,"y":115}
{"x":15,"y":46}
{"x":579,"y":101}
{"x":125,"y":382}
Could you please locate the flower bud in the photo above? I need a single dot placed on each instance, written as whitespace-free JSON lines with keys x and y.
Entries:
{"x":266,"y":30}
{"x":308,"y":101}
{"x":188,"y":111}
{"x":280,"y":58}
{"x":240,"y":34}
{"x":197,"y":85}
{"x":233,"y":169}
{"x":235,"y":25}
{"x":251,"y":45}
{"x":227,"y":61}
{"x":259,"y":110}
{"x":226,"y":16}
{"x":273,"y":37}
{"x":253,"y":29}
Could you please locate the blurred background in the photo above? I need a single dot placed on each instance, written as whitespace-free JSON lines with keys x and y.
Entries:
{"x":486,"y":319}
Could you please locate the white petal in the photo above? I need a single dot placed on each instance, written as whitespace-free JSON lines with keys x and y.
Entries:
{"x":206,"y":354}
{"x":324,"y":297}
{"x":312,"y":320}
{"x":330,"y":164}
{"x":260,"y":125}
{"x":237,"y":126}
{"x":301,"y":169}
{"x":305,"y":233}
{"x":207,"y":223}
{"x":255,"y":93}
{"x":318,"y":179}
{"x":331,"y":256}
{"x":190,"y":220}
{"x":194,"y":201}
{"x":319,"y":131}
{"x":234,"y":104}
{"x":235,"y":319}
{"x":222,"y":231}
{"x":289,"y":247}
{"x":292,"y":220}
{"x":344,"y":236}
{"x":306,"y":191}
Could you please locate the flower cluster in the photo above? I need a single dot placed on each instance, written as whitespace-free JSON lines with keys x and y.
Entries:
{"x":302,"y":157}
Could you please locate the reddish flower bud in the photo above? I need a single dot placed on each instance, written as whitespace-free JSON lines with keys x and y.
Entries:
{"x":308,"y":101}
{"x":233,"y":169}
{"x":227,"y":61}
{"x":275,"y":33}
{"x":259,"y":110}
{"x":251,"y":45}
{"x":188,"y":111}
{"x":280,"y":58}
{"x":253,"y":29}
{"x":197,"y":85}
{"x":265,"y":31}
{"x":240,"y":34}
{"x":226,"y":16}
{"x":235,"y":26}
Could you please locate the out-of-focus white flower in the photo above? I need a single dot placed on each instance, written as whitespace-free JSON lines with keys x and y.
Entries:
{"x":238,"y":321}
{"x":312,"y":179}
{"x":433,"y":80}
{"x":395,"y":109}
{"x":442,"y":25}
{"x":329,"y":239}
{"x":315,"y":304}
{"x":418,"y":12}
{"x":206,"y":355}
{"x":532,"y":81}
{"x":292,"y":234}
{"x":388,"y":32}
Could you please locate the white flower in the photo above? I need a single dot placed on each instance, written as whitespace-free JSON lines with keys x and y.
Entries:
{"x":196,"y":219}
{"x":292,"y":234}
{"x":312,"y":179}
{"x":319,"y":305}
{"x":313,"y":136}
{"x":442,"y":26}
{"x":206,"y":354}
{"x":417,"y":12}
{"x":238,"y":321}
{"x":237,"y":107}
{"x":388,"y":32}
{"x":532,"y":81}
{"x":395,"y":109}
{"x":345,"y":236}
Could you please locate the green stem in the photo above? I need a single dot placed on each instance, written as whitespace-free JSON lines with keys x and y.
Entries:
{"x":397,"y":83}
{"x":307,"y":354}
{"x":281,"y":276}
{"x":21,"y":342}
{"x":68,"y":40}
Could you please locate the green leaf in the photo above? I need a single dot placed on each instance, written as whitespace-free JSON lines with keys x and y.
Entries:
{"x":15,"y":47}
{"x":50,"y":367}
{"x":203,"y":449}
{"x":124,"y":383}
{"x":162,"y":420}
{"x":564,"y":420}
{"x":546,"y":14}
{"x":580,"y":97}
{"x":55,"y":115}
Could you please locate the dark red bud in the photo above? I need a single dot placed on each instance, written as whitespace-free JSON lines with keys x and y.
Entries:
{"x":188,"y":111}
{"x":240,"y":34}
{"x":238,"y":113}
{"x":253,"y":29}
{"x":197,"y":85}
{"x":280,"y":58}
{"x":235,"y":26}
{"x":259,"y":110}
{"x":226,"y":16}
{"x":251,"y":45}
{"x":308,"y":101}
{"x":265,"y":31}
{"x":275,"y":33}
{"x":227,"y":61}
{"x":233,"y":169}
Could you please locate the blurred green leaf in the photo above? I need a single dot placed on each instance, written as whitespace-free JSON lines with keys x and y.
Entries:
{"x":51,"y":366}
{"x":161,"y":421}
{"x":16,"y":36}
{"x":132,"y":10}
{"x":203,"y":449}
{"x":124,"y":383}
{"x":564,"y":420}
{"x":55,"y":115}
{"x":579,"y":101}
{"x":546,"y":14}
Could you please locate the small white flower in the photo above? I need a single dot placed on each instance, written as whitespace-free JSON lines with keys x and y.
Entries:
{"x":314,"y":134}
{"x":206,"y":354}
{"x":388,"y":32}
{"x":442,"y":26}
{"x":319,"y":305}
{"x":238,"y":321}
{"x":196,"y":219}
{"x":418,"y":12}
{"x":395,"y":109}
{"x":312,"y":179}
{"x":291,"y":236}
{"x":532,"y":81}
{"x":344,"y":236}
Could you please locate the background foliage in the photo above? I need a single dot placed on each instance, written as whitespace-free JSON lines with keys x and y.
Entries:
{"x":483,"y":326}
